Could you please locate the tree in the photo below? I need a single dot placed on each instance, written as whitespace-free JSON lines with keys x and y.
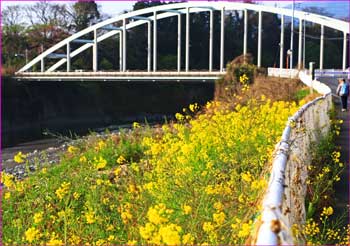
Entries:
{"x":13,"y":41}
{"x":84,"y":14}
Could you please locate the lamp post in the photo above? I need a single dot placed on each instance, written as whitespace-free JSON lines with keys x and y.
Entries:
{"x":25,"y":55}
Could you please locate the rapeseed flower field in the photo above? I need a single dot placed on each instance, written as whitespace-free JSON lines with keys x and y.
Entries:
{"x":198,"y":180}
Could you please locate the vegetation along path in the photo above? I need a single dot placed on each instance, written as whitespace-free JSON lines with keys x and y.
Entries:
{"x":342,"y":141}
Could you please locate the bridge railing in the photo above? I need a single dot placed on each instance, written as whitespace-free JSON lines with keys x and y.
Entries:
{"x":284,"y":201}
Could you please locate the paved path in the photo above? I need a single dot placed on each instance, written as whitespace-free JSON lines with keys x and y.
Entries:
{"x":342,"y":187}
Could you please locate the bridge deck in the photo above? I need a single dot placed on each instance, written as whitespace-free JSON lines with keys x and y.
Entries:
{"x":120,"y":76}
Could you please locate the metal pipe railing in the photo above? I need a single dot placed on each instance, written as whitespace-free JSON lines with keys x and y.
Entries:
{"x":275,"y":229}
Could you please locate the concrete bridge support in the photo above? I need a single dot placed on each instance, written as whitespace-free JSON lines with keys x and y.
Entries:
{"x":259,"y":38}
{"x":155,"y":42}
{"x":344,"y":51}
{"x":124,"y":45}
{"x":187,"y":39}
{"x":321,"y":46}
{"x":68,"y":57}
{"x":245,"y":32}
{"x":222,"y":40}
{"x":300,"y":65}
{"x":282,"y":42}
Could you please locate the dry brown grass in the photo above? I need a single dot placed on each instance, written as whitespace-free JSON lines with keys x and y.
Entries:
{"x":276,"y":89}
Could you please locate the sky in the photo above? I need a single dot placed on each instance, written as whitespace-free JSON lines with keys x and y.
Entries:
{"x":116,"y":7}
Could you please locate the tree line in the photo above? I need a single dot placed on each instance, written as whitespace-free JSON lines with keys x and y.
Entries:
{"x":28,"y":30}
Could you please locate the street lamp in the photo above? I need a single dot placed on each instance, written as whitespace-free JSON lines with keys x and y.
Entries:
{"x":23,"y":55}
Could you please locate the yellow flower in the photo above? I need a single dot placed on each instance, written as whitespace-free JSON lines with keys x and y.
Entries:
{"x":83,"y":159}
{"x":179,"y":117}
{"x":44,"y":170}
{"x":100,"y":145}
{"x":76,"y":195}
{"x":32,"y":234}
{"x":74,"y":240}
{"x":63,"y":190}
{"x":100,"y":242}
{"x":147,"y":231}
{"x":170,"y":234}
{"x":55,"y":242}
{"x":327,"y":211}
{"x":126,"y":216}
{"x":208,"y":227}
{"x":187,"y":209}
{"x":61,"y":214}
{"x":7,"y":179}
{"x":90,"y":217}
{"x":110,"y":228}
{"x":245,"y":230}
{"x":7,"y":195}
{"x":218,"y":206}
{"x":38,"y":217}
{"x":219,"y":218}
{"x":100,"y":163}
{"x":121,"y":160}
{"x":135,"y":125}
{"x":131,"y":242}
{"x":187,"y":239}
{"x":110,"y":238}
{"x":72,"y":149}
{"x":155,"y":216}
{"x":193,"y":107}
{"x":247,"y":177}
{"x":19,"y":157}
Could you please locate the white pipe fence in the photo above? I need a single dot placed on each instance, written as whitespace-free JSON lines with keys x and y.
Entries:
{"x":284,"y":200}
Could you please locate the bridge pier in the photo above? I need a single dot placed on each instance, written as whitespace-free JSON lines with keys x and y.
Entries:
{"x":121,"y":51}
{"x":187,"y":38}
{"x":222,"y":39}
{"x":179,"y":42}
{"x":149,"y":46}
{"x":94,"y":52}
{"x":321,"y":47}
{"x":68,"y":57}
{"x":155,"y":41}
{"x":211,"y":40}
{"x":245,"y":32}
{"x":300,"y":65}
{"x":282,"y":42}
{"x":344,"y":51}
{"x":124,"y":45}
{"x":259,"y":39}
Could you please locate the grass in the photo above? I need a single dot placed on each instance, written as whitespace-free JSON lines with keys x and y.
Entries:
{"x":322,"y":226}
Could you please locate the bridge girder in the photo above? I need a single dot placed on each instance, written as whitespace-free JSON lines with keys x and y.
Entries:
{"x":170,"y":10}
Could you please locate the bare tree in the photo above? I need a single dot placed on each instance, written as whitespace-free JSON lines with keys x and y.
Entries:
{"x":12,"y":15}
{"x":46,"y":13}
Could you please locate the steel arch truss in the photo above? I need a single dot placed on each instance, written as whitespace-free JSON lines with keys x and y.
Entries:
{"x":165,"y":11}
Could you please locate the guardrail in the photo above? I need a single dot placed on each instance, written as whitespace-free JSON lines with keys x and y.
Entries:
{"x":334,"y":73}
{"x":282,"y":72}
{"x":284,"y":200}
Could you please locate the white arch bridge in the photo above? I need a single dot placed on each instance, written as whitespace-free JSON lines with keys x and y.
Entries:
{"x":149,"y":17}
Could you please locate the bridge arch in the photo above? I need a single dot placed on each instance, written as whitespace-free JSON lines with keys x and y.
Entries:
{"x":178,"y":9}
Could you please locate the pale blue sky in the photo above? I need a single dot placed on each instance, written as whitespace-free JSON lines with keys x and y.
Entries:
{"x":116,"y":7}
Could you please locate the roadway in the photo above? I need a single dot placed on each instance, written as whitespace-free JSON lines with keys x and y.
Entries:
{"x":121,"y":76}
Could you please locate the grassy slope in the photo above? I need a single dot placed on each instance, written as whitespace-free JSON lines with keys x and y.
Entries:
{"x":197,"y":181}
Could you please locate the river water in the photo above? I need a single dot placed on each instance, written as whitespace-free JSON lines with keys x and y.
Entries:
{"x":31,"y":108}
